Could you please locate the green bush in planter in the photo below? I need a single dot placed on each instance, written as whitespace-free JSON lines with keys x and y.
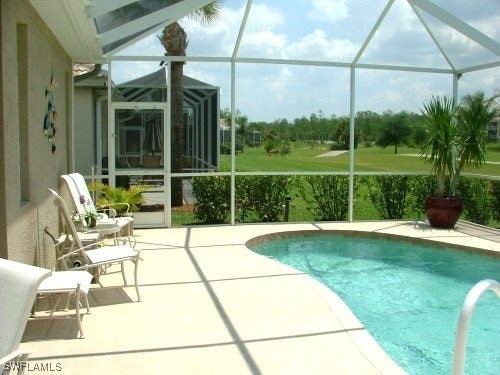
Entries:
{"x":118,"y":197}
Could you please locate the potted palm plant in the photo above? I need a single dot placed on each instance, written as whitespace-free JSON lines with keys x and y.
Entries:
{"x":456,"y":139}
{"x":122,"y":201}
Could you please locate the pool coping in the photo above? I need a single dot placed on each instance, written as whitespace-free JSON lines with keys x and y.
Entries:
{"x":436,"y":243}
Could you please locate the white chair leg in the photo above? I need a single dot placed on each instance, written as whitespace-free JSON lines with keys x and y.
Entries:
{"x":87,"y":304}
{"x":136,"y":263}
{"x":123,"y":273}
{"x":77,"y":311}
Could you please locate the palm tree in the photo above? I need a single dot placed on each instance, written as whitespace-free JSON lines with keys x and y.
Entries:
{"x":474,"y":116}
{"x":175,"y":41}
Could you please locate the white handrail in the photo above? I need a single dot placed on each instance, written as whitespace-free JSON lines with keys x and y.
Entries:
{"x":464,"y":320}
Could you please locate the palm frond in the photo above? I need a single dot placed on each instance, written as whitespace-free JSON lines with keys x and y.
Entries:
{"x":441,"y":148}
{"x":116,"y":195}
{"x":207,"y":14}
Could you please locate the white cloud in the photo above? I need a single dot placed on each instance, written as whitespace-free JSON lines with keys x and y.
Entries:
{"x":328,"y":10}
{"x":263,"y":16}
{"x":264,"y":44}
{"x":317,"y":46}
{"x":224,"y":31}
{"x":279,"y":85}
{"x":260,"y":38}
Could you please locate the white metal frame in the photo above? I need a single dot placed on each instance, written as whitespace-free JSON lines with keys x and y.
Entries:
{"x":418,"y":6}
{"x":464,"y":320}
{"x":166,"y":172}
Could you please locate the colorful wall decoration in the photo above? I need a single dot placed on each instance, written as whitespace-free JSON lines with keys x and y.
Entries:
{"x":49,"y":122}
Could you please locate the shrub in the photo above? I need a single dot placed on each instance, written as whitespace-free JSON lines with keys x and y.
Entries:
{"x":495,"y":200}
{"x":284,"y":148}
{"x":476,"y":199}
{"x":389,"y":194}
{"x":327,"y":196}
{"x":212,"y":198}
{"x":225,"y":149}
{"x":422,"y":187}
{"x":338,"y":146}
{"x":261,"y":196}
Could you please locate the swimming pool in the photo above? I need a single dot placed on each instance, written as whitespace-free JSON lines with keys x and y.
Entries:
{"x":407,"y":295}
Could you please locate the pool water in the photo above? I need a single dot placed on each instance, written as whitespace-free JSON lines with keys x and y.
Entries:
{"x":407,"y":295}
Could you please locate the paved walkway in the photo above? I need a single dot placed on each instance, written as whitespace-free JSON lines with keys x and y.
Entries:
{"x":332,"y":153}
{"x":211,"y":306}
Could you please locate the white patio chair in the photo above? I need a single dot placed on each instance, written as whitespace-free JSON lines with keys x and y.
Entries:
{"x":18,"y":289}
{"x":80,"y":195}
{"x":65,"y":284}
{"x":97,"y":257}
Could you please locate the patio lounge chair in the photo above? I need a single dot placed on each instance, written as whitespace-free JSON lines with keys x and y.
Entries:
{"x":18,"y":288}
{"x":97,"y":257}
{"x":81,"y":196}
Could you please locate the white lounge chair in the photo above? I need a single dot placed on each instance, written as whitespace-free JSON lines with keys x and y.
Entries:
{"x":100,"y":256}
{"x":81,"y":196}
{"x":18,"y":289}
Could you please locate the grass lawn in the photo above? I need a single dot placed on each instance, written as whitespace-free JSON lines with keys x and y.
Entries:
{"x":303,"y":158}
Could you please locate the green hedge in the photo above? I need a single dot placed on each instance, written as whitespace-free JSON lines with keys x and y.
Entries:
{"x":325,"y":198}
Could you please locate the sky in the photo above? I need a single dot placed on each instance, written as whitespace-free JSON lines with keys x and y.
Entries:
{"x":330,"y":30}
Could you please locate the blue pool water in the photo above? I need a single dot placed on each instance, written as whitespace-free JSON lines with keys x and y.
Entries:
{"x":407,"y":295}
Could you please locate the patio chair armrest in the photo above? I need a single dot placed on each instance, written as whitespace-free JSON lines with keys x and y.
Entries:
{"x":110,"y":206}
{"x":86,"y":267}
{"x":104,"y":213}
{"x":124,"y":240}
{"x":67,"y":255}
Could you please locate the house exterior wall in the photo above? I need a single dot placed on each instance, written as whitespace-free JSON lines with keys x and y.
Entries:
{"x":22,"y":111}
{"x":494,"y":130}
{"x":84,"y":130}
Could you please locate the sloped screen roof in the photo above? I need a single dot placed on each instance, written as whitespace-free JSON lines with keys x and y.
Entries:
{"x":140,"y":88}
{"x":91,"y":30}
{"x":119,"y":23}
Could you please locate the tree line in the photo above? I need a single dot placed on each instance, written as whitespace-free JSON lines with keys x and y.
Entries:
{"x":371,"y":128}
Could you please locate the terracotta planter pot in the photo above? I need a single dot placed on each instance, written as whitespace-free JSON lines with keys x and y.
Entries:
{"x":443,"y":212}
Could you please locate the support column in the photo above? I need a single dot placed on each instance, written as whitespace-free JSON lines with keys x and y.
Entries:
{"x":351,"y":143}
{"x":233,"y":142}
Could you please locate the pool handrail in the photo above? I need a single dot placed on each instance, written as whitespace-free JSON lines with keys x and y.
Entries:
{"x":464,"y":320}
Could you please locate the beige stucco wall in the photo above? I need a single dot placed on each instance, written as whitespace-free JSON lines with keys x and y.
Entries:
{"x":84,"y":118}
{"x":26,"y":221}
{"x":86,"y":100}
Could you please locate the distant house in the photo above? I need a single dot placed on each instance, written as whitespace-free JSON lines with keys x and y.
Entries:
{"x":139,"y":129}
{"x":252,"y":138}
{"x":494,"y":130}
{"x":225,"y":131}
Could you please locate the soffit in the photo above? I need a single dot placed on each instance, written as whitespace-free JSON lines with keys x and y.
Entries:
{"x":92,"y":30}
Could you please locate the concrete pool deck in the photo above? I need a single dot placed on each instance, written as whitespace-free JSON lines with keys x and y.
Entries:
{"x":211,"y":306}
